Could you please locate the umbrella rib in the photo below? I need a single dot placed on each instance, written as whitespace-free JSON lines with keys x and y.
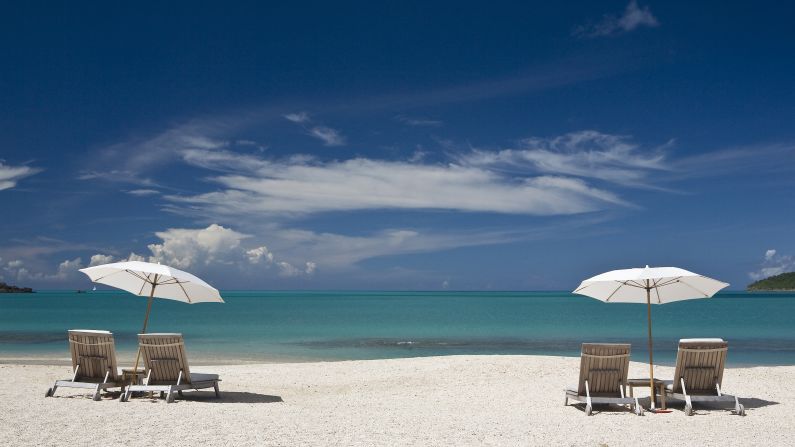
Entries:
{"x":657,"y":292}
{"x":582,"y":288}
{"x":185,"y":292}
{"x":110,"y":274}
{"x":137,"y":275}
{"x":614,"y":291}
{"x":170,"y":281}
{"x":669,"y":282}
{"x":143,"y":284}
{"x":688,"y":285}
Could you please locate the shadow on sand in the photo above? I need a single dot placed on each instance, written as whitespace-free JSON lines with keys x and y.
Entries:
{"x":230,"y":397}
{"x":227,"y":397}
{"x":749,"y":404}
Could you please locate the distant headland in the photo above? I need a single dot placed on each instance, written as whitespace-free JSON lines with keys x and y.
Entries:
{"x":782,"y":282}
{"x":7,"y":288}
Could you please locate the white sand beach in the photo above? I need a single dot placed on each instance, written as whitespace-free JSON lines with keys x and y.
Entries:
{"x":456,"y":400}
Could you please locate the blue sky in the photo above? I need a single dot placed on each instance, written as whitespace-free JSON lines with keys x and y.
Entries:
{"x":498,"y":145}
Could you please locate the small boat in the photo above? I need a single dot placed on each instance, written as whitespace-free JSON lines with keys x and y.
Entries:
{"x":80,"y":291}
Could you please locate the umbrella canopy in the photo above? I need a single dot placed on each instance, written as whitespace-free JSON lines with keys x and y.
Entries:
{"x":159,"y":281}
{"x":154,"y":280}
{"x":667,"y":284}
{"x":657,"y":285}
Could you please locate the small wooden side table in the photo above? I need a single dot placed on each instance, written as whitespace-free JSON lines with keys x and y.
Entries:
{"x":128,"y":373}
{"x":659,"y":387}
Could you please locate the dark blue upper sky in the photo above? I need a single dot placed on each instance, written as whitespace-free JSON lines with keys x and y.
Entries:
{"x":419,"y":145}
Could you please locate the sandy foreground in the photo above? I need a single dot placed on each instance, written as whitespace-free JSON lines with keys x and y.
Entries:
{"x":456,"y":400}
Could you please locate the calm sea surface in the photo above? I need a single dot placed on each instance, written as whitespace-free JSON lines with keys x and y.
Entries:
{"x":275,"y":326}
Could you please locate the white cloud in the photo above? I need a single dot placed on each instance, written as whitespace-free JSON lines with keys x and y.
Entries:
{"x":99,"y":259}
{"x":287,"y":270}
{"x":15,"y":264}
{"x":252,"y":143}
{"x":310,"y":268}
{"x":774,"y":264}
{"x":184,"y":248}
{"x":216,"y":245}
{"x":222,"y":160}
{"x":298,"y":117}
{"x":414,"y":121}
{"x":329,"y":136}
{"x":117,"y":176}
{"x":259,"y":254}
{"x":11,"y":175}
{"x":143,"y":192}
{"x":338,"y":251}
{"x":633,"y":17}
{"x":133,"y":159}
{"x":68,"y":267}
{"x":587,"y":154}
{"x":65,"y":270}
{"x":136,"y":257}
{"x":299,"y":186}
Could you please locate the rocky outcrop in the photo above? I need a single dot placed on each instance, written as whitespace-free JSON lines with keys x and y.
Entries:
{"x":6,"y":288}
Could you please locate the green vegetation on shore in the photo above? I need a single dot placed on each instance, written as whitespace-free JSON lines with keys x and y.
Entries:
{"x":784,"y":281}
{"x":7,"y":288}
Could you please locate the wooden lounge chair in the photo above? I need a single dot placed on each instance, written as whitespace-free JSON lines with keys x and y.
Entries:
{"x":166,"y":368}
{"x":603,"y":377}
{"x":93,"y":363}
{"x":699,"y":374}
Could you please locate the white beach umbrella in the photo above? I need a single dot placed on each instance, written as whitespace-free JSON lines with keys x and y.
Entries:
{"x":650,"y":285}
{"x":154,"y":281}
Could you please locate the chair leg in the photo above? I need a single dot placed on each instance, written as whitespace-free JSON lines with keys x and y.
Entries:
{"x":51,"y":391}
{"x":170,"y":396}
{"x":738,"y":407}
{"x":217,"y":391}
{"x":98,"y":393}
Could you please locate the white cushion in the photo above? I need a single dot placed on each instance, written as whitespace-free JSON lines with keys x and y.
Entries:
{"x":701,"y":340}
{"x":202,"y":377}
{"x":91,"y":331}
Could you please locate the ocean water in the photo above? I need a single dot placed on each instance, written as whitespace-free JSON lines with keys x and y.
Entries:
{"x":257,"y":326}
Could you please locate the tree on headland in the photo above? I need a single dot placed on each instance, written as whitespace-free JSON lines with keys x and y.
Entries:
{"x":784,"y":281}
{"x":6,"y":288}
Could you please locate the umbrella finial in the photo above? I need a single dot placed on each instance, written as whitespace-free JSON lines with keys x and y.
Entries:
{"x":647,"y":265}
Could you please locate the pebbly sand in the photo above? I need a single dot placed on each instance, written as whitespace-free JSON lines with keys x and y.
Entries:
{"x":455,"y":400}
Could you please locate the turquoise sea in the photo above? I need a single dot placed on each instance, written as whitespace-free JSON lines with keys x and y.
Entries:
{"x":329,"y":325}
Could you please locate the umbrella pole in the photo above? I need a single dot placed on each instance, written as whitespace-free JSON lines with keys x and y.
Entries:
{"x":143,"y":331}
{"x":651,"y":349}
{"x":148,"y":309}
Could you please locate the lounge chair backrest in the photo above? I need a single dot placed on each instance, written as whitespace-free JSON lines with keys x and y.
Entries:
{"x":164,"y":355}
{"x":700,"y":361}
{"x":95,"y":352}
{"x":605,"y":367}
